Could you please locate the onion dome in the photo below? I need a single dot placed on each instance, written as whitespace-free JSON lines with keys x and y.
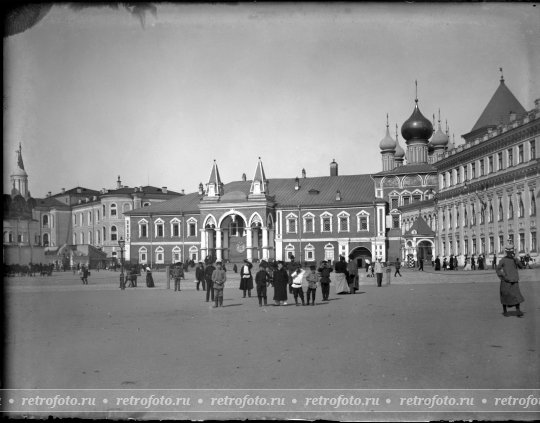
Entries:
{"x":417,"y":127}
{"x":439,"y":139}
{"x":400,"y":152}
{"x":387,"y":144}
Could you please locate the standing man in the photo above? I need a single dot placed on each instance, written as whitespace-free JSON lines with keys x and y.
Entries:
{"x":177,"y":275}
{"x":352,"y":269}
{"x":507,"y":270}
{"x":379,"y":271}
{"x":280,"y":280}
{"x":84,"y":273}
{"x":291,"y":267}
{"x":421,"y":264}
{"x":494,"y":262}
{"x":324,"y":271}
{"x":398,"y":267}
{"x":208,"y":271}
{"x":199,"y":276}
{"x":218,"y":278}
{"x":246,"y":279}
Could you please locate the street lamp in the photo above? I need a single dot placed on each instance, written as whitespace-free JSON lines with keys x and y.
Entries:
{"x":122,"y":244}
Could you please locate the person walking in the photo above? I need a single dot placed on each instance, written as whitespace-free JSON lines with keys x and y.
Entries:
{"x":246,"y":279}
{"x":312,"y":280}
{"x":262,"y":280}
{"x":176,"y":274}
{"x":507,"y":270}
{"x":438,"y":263}
{"x":84,"y":275}
{"x":297,"y":277}
{"x":280,"y":280}
{"x":494,"y":262}
{"x":199,"y":276}
{"x":421,"y":264}
{"x":325,"y":271}
{"x":378,"y":269}
{"x":219,"y":277}
{"x":208,"y":271}
{"x":398,"y":267}
{"x":473,"y":263}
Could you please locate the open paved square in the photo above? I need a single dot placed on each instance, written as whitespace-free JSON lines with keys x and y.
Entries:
{"x":426,"y":330}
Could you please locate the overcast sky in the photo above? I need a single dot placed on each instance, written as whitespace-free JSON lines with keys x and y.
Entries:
{"x":91,"y":94}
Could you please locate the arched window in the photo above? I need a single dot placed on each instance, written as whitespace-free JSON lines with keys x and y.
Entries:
{"x":176,"y":254}
{"x":104,"y":234}
{"x":490,"y":216}
{"x":510,"y":209}
{"x":81,"y":238}
{"x":143,"y":255}
{"x":521,"y":208}
{"x":90,"y":238}
{"x":329,"y":252}
{"x":159,"y":255}
{"x":143,"y":228}
{"x":343,"y":222}
{"x":104,"y":212}
{"x":309,"y":253}
{"x":500,"y":213}
{"x":45,"y":221}
{"x":113,"y":210}
{"x":326,"y":222}
{"x":159,"y":231}
{"x":289,"y":251}
{"x":114,"y":233}
{"x":45,"y":240}
{"x":194,"y":253}
{"x":362,"y":221}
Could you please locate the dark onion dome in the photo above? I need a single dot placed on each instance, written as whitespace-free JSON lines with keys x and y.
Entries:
{"x":417,"y":127}
{"x":387,"y":143}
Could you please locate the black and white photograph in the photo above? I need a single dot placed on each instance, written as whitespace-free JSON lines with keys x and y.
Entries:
{"x":271,"y":211}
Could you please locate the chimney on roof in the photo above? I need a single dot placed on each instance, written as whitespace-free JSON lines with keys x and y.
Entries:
{"x":304,"y":173}
{"x":118,"y":183}
{"x":296,"y":184}
{"x":512,"y":116}
{"x":49,"y":194}
{"x":183,"y":192}
{"x":79,"y":190}
{"x":63,"y":190}
{"x":338,"y":195}
{"x":333,"y":168}
{"x":164,"y":190}
{"x":201,"y":189}
{"x":244,"y":177}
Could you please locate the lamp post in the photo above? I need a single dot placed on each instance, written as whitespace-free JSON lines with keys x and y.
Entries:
{"x":122,"y":244}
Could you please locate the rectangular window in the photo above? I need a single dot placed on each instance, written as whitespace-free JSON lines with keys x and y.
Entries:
{"x":192,"y":229}
{"x":473,"y":170}
{"x":394,"y":202}
{"x":520,"y":154}
{"x":344,"y":224}
{"x":521,"y":243}
{"x":481,"y":167}
{"x":159,"y":230}
{"x":499,"y":161}
{"x":510,"y":158}
{"x":465,"y":174}
{"x":144,"y":230}
{"x":511,"y":238}
{"x":491,"y":245}
{"x":474,"y":246}
{"x":406,"y":200}
{"x":363,"y":223}
{"x":326,"y":224}
{"x":532,"y":147}
{"x":490,"y":164}
{"x":482,"y":245}
{"x":291,"y":226}
{"x":309,"y":225}
{"x":417,"y":198}
{"x":395,"y":222}
{"x":533,"y":241}
{"x":175,"y":229}
{"x":501,"y":243}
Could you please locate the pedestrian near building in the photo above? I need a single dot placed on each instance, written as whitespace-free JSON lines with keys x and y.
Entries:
{"x":84,"y":275}
{"x":297,"y":277}
{"x":325,"y":271}
{"x":246,"y":279}
{"x":421,"y":264}
{"x":438,"y":263}
{"x":280,"y":280}
{"x":494,"y":262}
{"x":199,"y":276}
{"x":398,"y":267}
{"x":291,"y":267}
{"x":262,"y":280}
{"x":149,"y":278}
{"x":473,"y":263}
{"x":352,"y":271}
{"x":219,"y":277}
{"x":208,"y":271}
{"x":176,"y":274}
{"x":507,"y":270}
{"x":378,"y":269}
{"x":312,"y":278}
{"x":340,"y":268}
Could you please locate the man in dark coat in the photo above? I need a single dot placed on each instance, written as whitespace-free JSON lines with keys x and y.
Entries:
{"x":438,"y":263}
{"x":199,"y":276}
{"x":246,"y":278}
{"x":209,"y":269}
{"x":507,"y":270}
{"x":280,"y":281}
{"x":325,"y":271}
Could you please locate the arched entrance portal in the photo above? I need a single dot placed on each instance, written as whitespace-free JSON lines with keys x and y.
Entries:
{"x":361,"y":254}
{"x":234,"y":238}
{"x":424,"y":251}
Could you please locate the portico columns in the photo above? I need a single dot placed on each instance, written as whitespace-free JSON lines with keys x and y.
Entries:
{"x":219,"y":255}
{"x":204,"y":246}
{"x":249,"y":243}
{"x":265,"y":243}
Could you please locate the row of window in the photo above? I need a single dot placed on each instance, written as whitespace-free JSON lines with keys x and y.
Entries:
{"x":80,"y":217}
{"x":494,"y":163}
{"x":490,"y":212}
{"x":175,"y":228}
{"x":309,"y":252}
{"x":159,"y":255}
{"x":405,"y":198}
{"x":475,"y":246}
{"x":99,"y":235}
{"x":326,"y":222}
{"x":23,"y":237}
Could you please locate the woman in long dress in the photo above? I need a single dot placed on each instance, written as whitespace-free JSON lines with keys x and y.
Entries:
{"x":149,"y":278}
{"x":340,"y":268}
{"x":280,"y":280}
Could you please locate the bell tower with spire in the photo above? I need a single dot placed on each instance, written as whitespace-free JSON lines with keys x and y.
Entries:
{"x":388,"y":149}
{"x":214,"y":187}
{"x":19,"y":178}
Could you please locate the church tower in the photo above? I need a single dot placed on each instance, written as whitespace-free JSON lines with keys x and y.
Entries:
{"x":388,"y":149}
{"x":19,"y":178}
{"x":258,"y":185}
{"x":417,"y":131}
{"x":214,"y":187}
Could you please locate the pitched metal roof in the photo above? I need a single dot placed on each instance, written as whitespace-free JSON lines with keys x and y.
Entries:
{"x":317,"y":191}
{"x":498,"y":109}
{"x":421,"y":227}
